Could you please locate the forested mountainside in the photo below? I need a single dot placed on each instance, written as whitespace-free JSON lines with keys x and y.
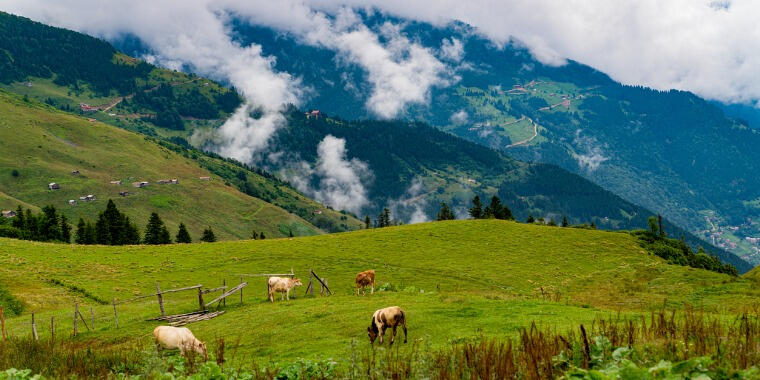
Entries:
{"x":669,"y":151}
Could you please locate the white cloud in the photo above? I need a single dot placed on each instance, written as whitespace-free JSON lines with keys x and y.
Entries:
{"x":709,"y":47}
{"x":460,"y":117}
{"x":411,"y":203}
{"x":592,"y":155}
{"x":340,"y":181}
{"x":452,"y":49}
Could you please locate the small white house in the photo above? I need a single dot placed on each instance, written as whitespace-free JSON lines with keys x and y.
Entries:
{"x":53,"y":186}
{"x":9,"y":213}
{"x":72,"y":202}
{"x":204,"y":178}
{"x":140,"y":184}
{"x":118,"y":183}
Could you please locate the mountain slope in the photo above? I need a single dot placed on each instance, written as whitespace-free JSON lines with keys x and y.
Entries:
{"x":669,"y":151}
{"x":44,"y":145}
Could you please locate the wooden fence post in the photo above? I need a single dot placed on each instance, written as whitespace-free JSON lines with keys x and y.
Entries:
{"x":92,"y":319}
{"x":201,"y":305}
{"x":224,"y":283}
{"x":115,"y":316}
{"x":52,"y":329}
{"x":241,"y":290}
{"x":34,"y":329}
{"x":2,"y":323}
{"x":76,"y":311}
{"x":160,"y":299}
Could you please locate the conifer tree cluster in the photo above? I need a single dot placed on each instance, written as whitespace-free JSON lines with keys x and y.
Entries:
{"x":48,"y":225}
{"x":384,"y":219}
{"x":494,"y":210}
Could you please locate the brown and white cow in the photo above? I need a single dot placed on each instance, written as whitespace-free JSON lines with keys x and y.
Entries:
{"x":364,"y":279}
{"x":282,"y":285}
{"x":390,"y":317}
{"x":181,"y":338}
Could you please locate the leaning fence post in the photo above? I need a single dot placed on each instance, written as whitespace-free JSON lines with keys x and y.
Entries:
{"x":115,"y":316}
{"x":2,"y":323}
{"x":52,"y":329}
{"x":201,"y":305}
{"x":76,"y":311}
{"x":92,"y":319}
{"x":160,"y":299}
{"x":34,"y":329}
{"x":241,"y":290}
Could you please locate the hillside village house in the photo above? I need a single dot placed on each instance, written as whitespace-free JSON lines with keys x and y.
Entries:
{"x":314,"y":114}
{"x":140,"y":184}
{"x":9,"y":213}
{"x":116,"y":183}
{"x":204,"y":178}
{"x":123,"y":193}
{"x":87,"y":198}
{"x":53,"y":186}
{"x":168,"y":181}
{"x":72,"y":202}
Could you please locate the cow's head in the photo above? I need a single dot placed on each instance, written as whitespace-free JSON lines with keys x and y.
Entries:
{"x":372,"y":331}
{"x":200,"y":347}
{"x":296,"y":281}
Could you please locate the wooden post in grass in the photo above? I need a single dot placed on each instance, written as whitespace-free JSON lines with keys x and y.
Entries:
{"x":160,"y":299}
{"x":115,"y":316}
{"x":224,"y":284}
{"x":92,"y":319}
{"x":76,"y":311}
{"x":2,"y":323}
{"x":34,"y":329}
{"x":241,"y":290}
{"x":52,"y":329}
{"x":201,"y":305}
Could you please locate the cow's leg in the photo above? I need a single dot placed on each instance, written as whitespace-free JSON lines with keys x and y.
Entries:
{"x":393,"y":335}
{"x":282,"y":296}
{"x":287,"y":294}
{"x":271,"y":296}
{"x":382,"y":333}
{"x":373,"y":288}
{"x":403,"y":325}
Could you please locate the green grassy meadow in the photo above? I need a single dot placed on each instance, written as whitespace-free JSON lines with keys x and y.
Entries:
{"x":457,"y":280}
{"x":55,"y":143}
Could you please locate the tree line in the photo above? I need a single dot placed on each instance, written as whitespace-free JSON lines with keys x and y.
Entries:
{"x":112,"y":227}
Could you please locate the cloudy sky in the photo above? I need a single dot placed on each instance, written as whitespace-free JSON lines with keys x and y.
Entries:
{"x":710,"y":47}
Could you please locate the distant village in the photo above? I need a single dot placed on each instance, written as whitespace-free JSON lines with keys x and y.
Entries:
{"x":721,"y":236}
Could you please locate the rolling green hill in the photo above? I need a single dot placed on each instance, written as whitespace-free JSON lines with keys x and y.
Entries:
{"x":43,"y":145}
{"x":457,"y":280}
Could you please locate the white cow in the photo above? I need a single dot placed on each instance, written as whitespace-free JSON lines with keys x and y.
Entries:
{"x":181,"y":338}
{"x":282,"y":285}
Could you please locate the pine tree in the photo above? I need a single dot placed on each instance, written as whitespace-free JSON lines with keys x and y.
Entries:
{"x":530,"y":219}
{"x":498,"y":210}
{"x":445,"y":213}
{"x":291,"y":233}
{"x":19,"y":221}
{"x":49,"y":224}
{"x":261,"y":235}
{"x":659,"y":225}
{"x":164,"y":237}
{"x":80,"y":237}
{"x":115,"y":221}
{"x":254,"y":235}
{"x":384,"y":218}
{"x":552,"y":223}
{"x":154,"y":229}
{"x":653,"y":225}
{"x":209,"y":237}
{"x":367,"y":222}
{"x":65,"y":230}
{"x":131,"y":232}
{"x":182,"y":235}
{"x":593,"y":225}
{"x":476,"y":212}
{"x":102,"y":232}
{"x":564,"y":221}
{"x":30,"y":225}
{"x":91,"y":235}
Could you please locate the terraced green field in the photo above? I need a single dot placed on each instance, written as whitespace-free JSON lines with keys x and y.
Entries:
{"x":457,"y":280}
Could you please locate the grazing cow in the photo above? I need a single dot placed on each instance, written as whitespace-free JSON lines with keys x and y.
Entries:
{"x":384,"y":318}
{"x":282,"y":285}
{"x":364,"y":279}
{"x":181,"y":338}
